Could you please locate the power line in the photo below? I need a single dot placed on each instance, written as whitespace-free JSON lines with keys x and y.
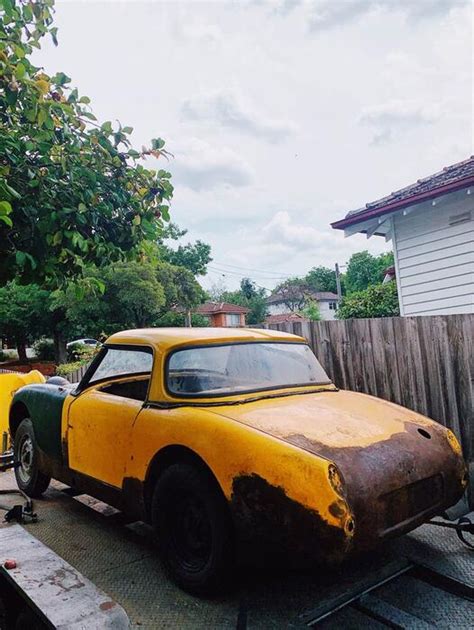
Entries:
{"x":279,"y":273}
{"x":241,"y":275}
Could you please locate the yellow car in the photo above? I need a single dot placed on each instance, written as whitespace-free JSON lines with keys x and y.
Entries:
{"x":230,"y":441}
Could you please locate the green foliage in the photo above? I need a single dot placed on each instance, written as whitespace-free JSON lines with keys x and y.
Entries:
{"x":72,"y":191}
{"x":364,"y":270}
{"x":321,"y":279}
{"x":379,"y":300}
{"x":174,"y":319}
{"x":311,"y":311}
{"x":193,"y":256}
{"x":44,"y":349}
{"x":4,"y":356}
{"x":24,"y":314}
{"x":67,"y":368}
{"x":135,"y":295}
{"x":250,"y":296}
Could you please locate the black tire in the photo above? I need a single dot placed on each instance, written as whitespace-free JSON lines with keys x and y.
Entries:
{"x":27,"y":620}
{"x":193,"y":530}
{"x":28,"y":476}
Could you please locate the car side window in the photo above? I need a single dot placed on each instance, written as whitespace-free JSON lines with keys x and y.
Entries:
{"x":122,"y":362}
{"x":135,"y":389}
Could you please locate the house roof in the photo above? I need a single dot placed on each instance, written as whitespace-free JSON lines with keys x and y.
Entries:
{"x":319,"y":296}
{"x":449,"y":179}
{"x":283,"y":318}
{"x":211,"y":308}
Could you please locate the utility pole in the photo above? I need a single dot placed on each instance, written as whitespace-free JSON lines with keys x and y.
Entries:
{"x":338,"y":281}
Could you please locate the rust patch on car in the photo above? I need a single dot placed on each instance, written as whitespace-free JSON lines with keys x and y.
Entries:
{"x":399,"y":471}
{"x":107,"y":605}
{"x":269,"y":524}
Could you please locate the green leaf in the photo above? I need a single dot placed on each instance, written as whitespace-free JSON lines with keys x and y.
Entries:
{"x":157,"y":143}
{"x":20,"y":258}
{"x":6,"y":220}
{"x":20,"y":71}
{"x":127,"y":129}
{"x":136,"y":220}
{"x":84,"y":99}
{"x":5,"y":208}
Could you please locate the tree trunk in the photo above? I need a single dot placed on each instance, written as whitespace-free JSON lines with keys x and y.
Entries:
{"x":60,"y":352}
{"x":187,"y":319}
{"x":21,"y":349}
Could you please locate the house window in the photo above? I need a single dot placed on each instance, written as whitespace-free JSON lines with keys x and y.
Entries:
{"x":333,"y":306}
{"x":233,"y":319}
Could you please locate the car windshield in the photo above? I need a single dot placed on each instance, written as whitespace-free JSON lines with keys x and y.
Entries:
{"x":244,"y":367}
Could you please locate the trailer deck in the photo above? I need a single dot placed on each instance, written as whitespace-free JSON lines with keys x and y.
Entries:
{"x":423,"y":579}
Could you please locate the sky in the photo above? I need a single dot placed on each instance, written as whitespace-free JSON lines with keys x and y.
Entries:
{"x":282,"y":116}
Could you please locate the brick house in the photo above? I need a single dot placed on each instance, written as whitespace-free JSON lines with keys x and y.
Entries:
{"x":222,"y":314}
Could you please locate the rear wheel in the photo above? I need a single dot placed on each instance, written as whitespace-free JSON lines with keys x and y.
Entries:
{"x":193,"y":529}
{"x":28,"y":476}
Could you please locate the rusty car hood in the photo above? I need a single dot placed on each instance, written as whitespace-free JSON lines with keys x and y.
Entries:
{"x":329,"y":419}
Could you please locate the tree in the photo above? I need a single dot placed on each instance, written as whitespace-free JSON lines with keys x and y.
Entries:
{"x":321,"y":279}
{"x":311,"y":311}
{"x":379,"y":300}
{"x":135,"y":295}
{"x":24,"y":314}
{"x":250,"y":296}
{"x":364,"y":270}
{"x":294,"y":293}
{"x":72,"y":191}
{"x":193,"y":256}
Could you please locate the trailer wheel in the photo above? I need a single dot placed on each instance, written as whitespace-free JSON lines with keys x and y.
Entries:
{"x":193,"y":530}
{"x":28,"y":476}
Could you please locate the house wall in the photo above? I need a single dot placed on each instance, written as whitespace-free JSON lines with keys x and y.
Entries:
{"x":434,"y":256}
{"x":220,"y":320}
{"x":326,"y":313}
{"x":278,"y":308}
{"x":281,"y":308}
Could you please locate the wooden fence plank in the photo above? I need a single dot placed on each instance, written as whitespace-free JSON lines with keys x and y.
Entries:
{"x":424,"y":363}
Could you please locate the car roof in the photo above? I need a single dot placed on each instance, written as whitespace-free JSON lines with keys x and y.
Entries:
{"x":170,"y":337}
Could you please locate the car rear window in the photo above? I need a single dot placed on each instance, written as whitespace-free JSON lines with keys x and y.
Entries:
{"x":245,"y":367}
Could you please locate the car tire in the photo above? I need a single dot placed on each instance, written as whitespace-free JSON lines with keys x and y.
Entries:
{"x":28,"y":476}
{"x":193,"y":530}
{"x":27,"y":620}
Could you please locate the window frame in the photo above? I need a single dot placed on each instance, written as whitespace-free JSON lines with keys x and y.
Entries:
{"x":97,"y":360}
{"x":191,"y":395}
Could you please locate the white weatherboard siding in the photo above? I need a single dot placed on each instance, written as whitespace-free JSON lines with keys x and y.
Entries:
{"x":435,"y":256}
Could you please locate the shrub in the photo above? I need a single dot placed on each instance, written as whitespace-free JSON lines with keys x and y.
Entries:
{"x":379,"y":300}
{"x":67,"y":368}
{"x":44,"y":349}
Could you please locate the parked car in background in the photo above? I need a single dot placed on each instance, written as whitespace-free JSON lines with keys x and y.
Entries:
{"x":230,"y":441}
{"x":83,"y":342}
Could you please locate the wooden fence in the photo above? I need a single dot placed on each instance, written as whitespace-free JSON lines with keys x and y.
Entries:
{"x":76,"y":375}
{"x":423,"y":363}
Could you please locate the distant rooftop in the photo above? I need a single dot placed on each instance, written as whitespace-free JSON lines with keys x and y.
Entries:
{"x":449,"y":179}
{"x":282,"y":318}
{"x":209,"y":308}
{"x":319,"y":296}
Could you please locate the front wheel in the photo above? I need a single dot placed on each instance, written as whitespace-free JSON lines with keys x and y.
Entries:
{"x":28,"y":476}
{"x":193,"y":529}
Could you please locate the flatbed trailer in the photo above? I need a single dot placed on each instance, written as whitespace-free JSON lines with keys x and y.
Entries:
{"x":424,"y":579}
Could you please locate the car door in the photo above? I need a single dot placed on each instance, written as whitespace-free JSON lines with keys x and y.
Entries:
{"x":101,"y":417}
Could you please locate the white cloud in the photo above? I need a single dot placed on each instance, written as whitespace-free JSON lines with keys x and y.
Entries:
{"x":327,"y":14}
{"x":396,"y":117}
{"x":201,"y":166}
{"x":229,"y":109}
{"x":282,"y":229}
